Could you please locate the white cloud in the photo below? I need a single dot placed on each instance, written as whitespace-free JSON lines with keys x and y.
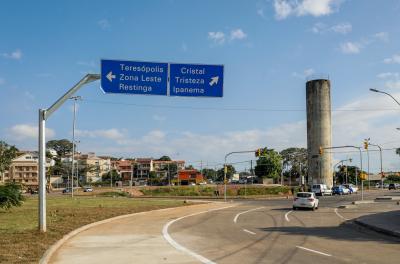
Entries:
{"x":342,"y":28}
{"x":305,"y":74}
{"x":15,"y":55}
{"x":393,"y":84}
{"x":112,"y":133}
{"x":350,"y":47}
{"x":25,"y":131}
{"x":394,"y":59}
{"x":282,"y":9}
{"x":238,"y":34}
{"x":386,"y":75}
{"x":217,"y":37}
{"x":104,"y":24}
{"x":285,"y":8}
{"x":383,"y":36}
{"x":319,"y":28}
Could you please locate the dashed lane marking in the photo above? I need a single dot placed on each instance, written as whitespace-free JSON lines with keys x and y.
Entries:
{"x":315,"y":251}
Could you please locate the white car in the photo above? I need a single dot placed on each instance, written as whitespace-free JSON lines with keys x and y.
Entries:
{"x":345,"y":190}
{"x":305,"y":200}
{"x":352,"y":188}
{"x":321,"y":189}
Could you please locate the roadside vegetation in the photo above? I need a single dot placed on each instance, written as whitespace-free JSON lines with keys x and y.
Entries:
{"x":21,"y":242}
{"x":210,"y":191}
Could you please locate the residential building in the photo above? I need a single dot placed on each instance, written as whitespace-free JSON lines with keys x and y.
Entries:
{"x":90,"y":167}
{"x":124,"y":168}
{"x":163,"y":167}
{"x":24,"y":169}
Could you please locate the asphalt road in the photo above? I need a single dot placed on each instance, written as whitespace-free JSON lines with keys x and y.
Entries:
{"x":270,"y":232}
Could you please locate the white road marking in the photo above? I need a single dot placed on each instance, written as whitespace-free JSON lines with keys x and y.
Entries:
{"x":248,"y":231}
{"x":287,"y":216}
{"x":341,"y":216}
{"x":182,"y":248}
{"x":237,"y":216}
{"x":314,"y":251}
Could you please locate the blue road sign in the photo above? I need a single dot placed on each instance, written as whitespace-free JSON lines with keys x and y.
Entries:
{"x":196,"y":80}
{"x":134,"y":77}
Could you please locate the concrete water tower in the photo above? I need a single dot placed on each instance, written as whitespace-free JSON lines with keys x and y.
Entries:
{"x":319,"y":131}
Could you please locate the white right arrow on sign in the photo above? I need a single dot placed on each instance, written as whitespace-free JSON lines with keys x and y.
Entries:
{"x":214,"y":80}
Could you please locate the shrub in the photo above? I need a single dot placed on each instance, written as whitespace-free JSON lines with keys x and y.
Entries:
{"x":123,"y":194}
{"x":10,"y":195}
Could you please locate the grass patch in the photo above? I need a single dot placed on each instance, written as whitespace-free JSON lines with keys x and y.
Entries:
{"x":21,"y":242}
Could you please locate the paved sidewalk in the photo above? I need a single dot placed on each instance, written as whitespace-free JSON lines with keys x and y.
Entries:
{"x":134,"y":239}
{"x":383,"y":217}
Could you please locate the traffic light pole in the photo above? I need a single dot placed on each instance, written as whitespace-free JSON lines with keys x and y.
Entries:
{"x":226,"y":169}
{"x":44,"y":114}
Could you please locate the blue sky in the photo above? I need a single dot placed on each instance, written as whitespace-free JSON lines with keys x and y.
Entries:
{"x":269,"y":49}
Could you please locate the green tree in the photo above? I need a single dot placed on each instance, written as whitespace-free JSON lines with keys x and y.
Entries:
{"x":10,"y":195}
{"x":113,"y":174}
{"x":340,"y":176}
{"x":7,"y":154}
{"x":62,"y":146}
{"x":269,"y":165}
{"x":229,"y":173}
{"x":189,"y":167}
{"x":209,"y":173}
{"x":294,"y":162}
{"x":164,"y":158}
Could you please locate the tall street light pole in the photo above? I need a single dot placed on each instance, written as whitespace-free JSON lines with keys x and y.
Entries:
{"x":75,"y":98}
{"x":44,"y":114}
{"x":378,"y":91}
{"x":380,"y":152}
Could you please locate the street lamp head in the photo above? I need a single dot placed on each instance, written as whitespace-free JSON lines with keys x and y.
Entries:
{"x":374,"y":90}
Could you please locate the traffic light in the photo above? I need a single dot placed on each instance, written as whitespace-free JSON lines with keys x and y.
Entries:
{"x":365,"y":144}
{"x":321,"y":151}
{"x":258,"y":152}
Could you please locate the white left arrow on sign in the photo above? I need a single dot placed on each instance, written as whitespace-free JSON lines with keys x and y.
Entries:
{"x":110,"y":76}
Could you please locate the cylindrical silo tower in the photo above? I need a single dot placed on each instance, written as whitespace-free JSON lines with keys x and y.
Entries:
{"x":319,"y":131}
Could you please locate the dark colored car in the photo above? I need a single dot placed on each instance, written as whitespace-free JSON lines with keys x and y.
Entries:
{"x":67,"y":190}
{"x":392,"y":186}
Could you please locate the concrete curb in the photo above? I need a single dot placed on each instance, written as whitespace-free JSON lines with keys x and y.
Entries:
{"x":53,"y":248}
{"x":364,"y":202}
{"x":346,"y":206}
{"x":392,"y":233}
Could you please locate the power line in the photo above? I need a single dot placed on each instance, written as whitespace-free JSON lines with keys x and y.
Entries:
{"x":238,"y":108}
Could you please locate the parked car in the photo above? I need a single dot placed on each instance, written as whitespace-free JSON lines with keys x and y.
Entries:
{"x":305,"y":200}
{"x":340,"y":190}
{"x":321,"y":189}
{"x":67,"y":190}
{"x":87,"y":189}
{"x":393,"y":186}
{"x":352,"y":188}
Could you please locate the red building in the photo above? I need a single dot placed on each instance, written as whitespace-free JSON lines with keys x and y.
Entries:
{"x":186,"y":177}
